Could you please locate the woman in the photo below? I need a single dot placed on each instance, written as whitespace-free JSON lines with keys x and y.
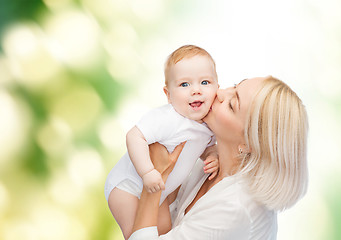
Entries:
{"x":261,"y":131}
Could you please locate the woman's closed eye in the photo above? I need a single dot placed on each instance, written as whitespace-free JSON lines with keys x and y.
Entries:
{"x":230,"y":104}
{"x":233,"y":103}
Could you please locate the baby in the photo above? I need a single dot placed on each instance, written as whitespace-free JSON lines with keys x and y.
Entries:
{"x":191,"y":86}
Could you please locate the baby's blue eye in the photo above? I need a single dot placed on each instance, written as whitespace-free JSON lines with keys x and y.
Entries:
{"x":205,"y":82}
{"x":185,"y":84}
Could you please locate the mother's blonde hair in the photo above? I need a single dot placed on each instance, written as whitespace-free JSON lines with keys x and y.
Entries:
{"x":276,"y":133}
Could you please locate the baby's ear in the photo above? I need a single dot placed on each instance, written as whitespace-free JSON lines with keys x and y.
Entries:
{"x":165,"y":89}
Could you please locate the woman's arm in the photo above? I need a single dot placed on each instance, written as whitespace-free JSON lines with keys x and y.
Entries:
{"x":147,"y":212}
{"x":223,"y":216}
{"x":219,"y":215}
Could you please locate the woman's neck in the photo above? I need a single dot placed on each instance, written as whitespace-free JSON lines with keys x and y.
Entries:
{"x":227,"y":167}
{"x":228,"y":160}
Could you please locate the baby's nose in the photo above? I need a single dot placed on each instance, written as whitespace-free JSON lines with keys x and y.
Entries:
{"x":196,"y":89}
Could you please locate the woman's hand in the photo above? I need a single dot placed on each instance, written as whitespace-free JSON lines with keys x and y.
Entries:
{"x":163,"y":161}
{"x":148,"y":208}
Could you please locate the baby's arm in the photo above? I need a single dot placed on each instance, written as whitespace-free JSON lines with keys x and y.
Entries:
{"x":210,"y":157}
{"x":139,"y":154}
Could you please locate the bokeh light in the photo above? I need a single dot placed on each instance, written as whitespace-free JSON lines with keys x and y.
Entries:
{"x":69,"y":107}
{"x":76,"y":38}
{"x":85,"y":168}
{"x":14,"y":127}
{"x":25,"y":47}
{"x":4,"y":200}
{"x":76,"y":75}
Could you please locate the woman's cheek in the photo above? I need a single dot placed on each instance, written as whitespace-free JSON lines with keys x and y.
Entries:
{"x":223,"y":121}
{"x":228,"y":124}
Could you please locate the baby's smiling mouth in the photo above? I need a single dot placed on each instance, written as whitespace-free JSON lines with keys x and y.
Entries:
{"x":195,"y":104}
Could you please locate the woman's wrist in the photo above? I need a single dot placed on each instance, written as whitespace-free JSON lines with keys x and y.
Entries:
{"x":147,"y":211}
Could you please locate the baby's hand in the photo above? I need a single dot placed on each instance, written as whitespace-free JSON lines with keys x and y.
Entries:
{"x":211,"y":166}
{"x":153,"y":182}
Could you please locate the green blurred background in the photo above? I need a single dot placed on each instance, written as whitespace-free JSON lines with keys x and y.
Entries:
{"x":75,"y":75}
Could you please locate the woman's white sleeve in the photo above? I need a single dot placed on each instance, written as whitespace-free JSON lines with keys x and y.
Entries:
{"x":215,"y":223}
{"x":145,"y":233}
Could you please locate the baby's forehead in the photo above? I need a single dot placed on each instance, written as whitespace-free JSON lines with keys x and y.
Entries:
{"x":189,"y":60}
{"x":173,"y":68}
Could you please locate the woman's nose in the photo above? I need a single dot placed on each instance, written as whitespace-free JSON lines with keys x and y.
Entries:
{"x":222,"y":94}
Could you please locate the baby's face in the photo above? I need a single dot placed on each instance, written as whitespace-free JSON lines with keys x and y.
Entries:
{"x":192,"y":87}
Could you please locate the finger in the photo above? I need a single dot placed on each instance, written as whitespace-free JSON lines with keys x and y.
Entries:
{"x":208,"y":160}
{"x":211,"y":160}
{"x":162,"y":186}
{"x":211,"y":170}
{"x":212,"y":176}
{"x":211,"y":165}
{"x":175,"y":154}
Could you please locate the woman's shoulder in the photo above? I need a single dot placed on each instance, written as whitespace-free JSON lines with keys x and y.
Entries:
{"x":238,"y":201}
{"x":262,"y":218}
{"x":234,"y":191}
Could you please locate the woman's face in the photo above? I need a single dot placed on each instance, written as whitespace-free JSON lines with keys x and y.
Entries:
{"x":228,"y":114}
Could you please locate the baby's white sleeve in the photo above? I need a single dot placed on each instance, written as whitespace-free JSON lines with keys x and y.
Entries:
{"x":212,"y":142}
{"x":155,"y":126}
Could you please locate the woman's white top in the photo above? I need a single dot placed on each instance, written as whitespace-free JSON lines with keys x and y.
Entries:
{"x":166,"y":126}
{"x":226,"y":212}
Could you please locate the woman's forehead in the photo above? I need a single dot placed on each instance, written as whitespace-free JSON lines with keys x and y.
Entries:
{"x":246,"y":89}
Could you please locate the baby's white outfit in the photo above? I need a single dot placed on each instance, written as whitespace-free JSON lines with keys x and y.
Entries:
{"x":169,"y":128}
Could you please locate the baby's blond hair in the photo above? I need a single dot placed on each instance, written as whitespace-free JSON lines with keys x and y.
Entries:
{"x":186,"y":51}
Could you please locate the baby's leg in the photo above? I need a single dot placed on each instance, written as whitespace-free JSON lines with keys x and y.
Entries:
{"x":164,"y":223}
{"x":123,"y":207}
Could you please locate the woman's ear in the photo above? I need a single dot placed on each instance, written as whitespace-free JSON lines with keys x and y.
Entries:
{"x":242,"y":148}
{"x":165,"y":90}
